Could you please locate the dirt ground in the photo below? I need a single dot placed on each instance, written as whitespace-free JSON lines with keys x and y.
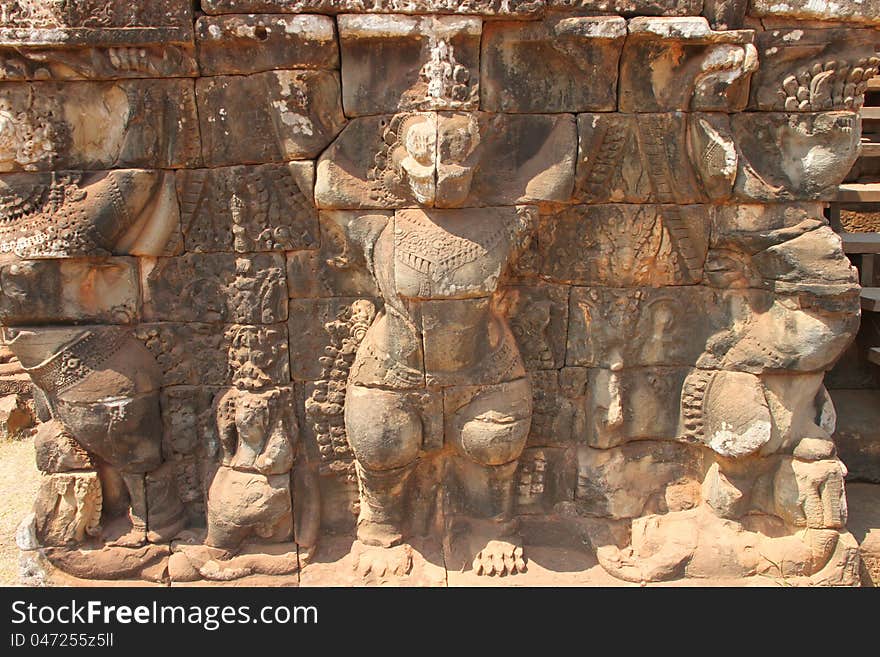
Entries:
{"x":18,"y":487}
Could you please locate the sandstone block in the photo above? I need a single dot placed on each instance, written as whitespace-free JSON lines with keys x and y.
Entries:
{"x":250,"y":43}
{"x":630,"y":481}
{"x":267,"y":207}
{"x":813,"y":70}
{"x":96,"y":22}
{"x":487,"y":8}
{"x":794,"y":156}
{"x":229,"y":288}
{"x":342,"y":266}
{"x":211,"y":354}
{"x":856,"y":11}
{"x":401,"y":63}
{"x":627,"y":7}
{"x":74,"y":290}
{"x":625,"y":245}
{"x":58,"y":451}
{"x":97,"y":125}
{"x":44,"y":62}
{"x":74,"y":213}
{"x":538,"y":316}
{"x":569,"y":65}
{"x":673,"y":325}
{"x":300,"y":110}
{"x":68,"y":508}
{"x":682,"y":64}
{"x":309,"y":337}
{"x":448,"y":160}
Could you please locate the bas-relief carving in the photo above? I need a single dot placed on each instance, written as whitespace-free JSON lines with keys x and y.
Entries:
{"x":571,"y":269}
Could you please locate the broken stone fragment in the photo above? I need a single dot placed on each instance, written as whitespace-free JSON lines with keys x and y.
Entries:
{"x":68,"y":508}
{"x":567,"y":65}
{"x":399,"y":63}
{"x":16,"y":417}
{"x":298,"y":113}
{"x":250,"y":44}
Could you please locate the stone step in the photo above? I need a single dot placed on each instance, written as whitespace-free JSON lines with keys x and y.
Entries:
{"x":859,"y":193}
{"x":861,"y":242}
{"x":874,"y":84}
{"x":870,"y":149}
{"x":874,"y":355}
{"x":871,"y":299}
{"x":871,"y":113}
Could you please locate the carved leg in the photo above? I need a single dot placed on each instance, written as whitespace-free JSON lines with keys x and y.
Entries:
{"x":490,"y":432}
{"x":385,"y":436}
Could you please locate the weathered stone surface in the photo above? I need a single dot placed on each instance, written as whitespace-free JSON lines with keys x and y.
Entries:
{"x":813,"y":70}
{"x":488,"y":8}
{"x":546,"y":477}
{"x":632,"y":480}
{"x":24,"y":22}
{"x":267,"y":207}
{"x":568,"y":65}
{"x":631,"y":404}
{"x":857,"y":11}
{"x":43,"y":127}
{"x":470,"y":285}
{"x":557,"y":406}
{"x":207,"y":354}
{"x":681,"y":64}
{"x":307,"y":318}
{"x":628,"y":7}
{"x":794,"y":156}
{"x":634,"y":159}
{"x":538,"y":319}
{"x":97,"y":63}
{"x":68,"y":508}
{"x":299,"y":109}
{"x":72,"y":213}
{"x":16,"y":417}
{"x":341,"y":267}
{"x":250,"y":44}
{"x":403,"y":63}
{"x":241,"y":289}
{"x":250,"y":492}
{"x":673,"y":325}
{"x":625,"y":245}
{"x":36,"y":291}
{"x":450,"y":160}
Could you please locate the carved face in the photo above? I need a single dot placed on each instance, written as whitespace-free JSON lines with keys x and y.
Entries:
{"x":252,"y":418}
{"x":417,"y":158}
{"x":458,"y":141}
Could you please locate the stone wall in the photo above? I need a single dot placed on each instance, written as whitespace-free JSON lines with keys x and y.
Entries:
{"x":288,"y":270}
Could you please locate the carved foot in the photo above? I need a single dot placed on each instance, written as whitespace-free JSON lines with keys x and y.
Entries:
{"x":500,"y":558}
{"x":374,"y":561}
